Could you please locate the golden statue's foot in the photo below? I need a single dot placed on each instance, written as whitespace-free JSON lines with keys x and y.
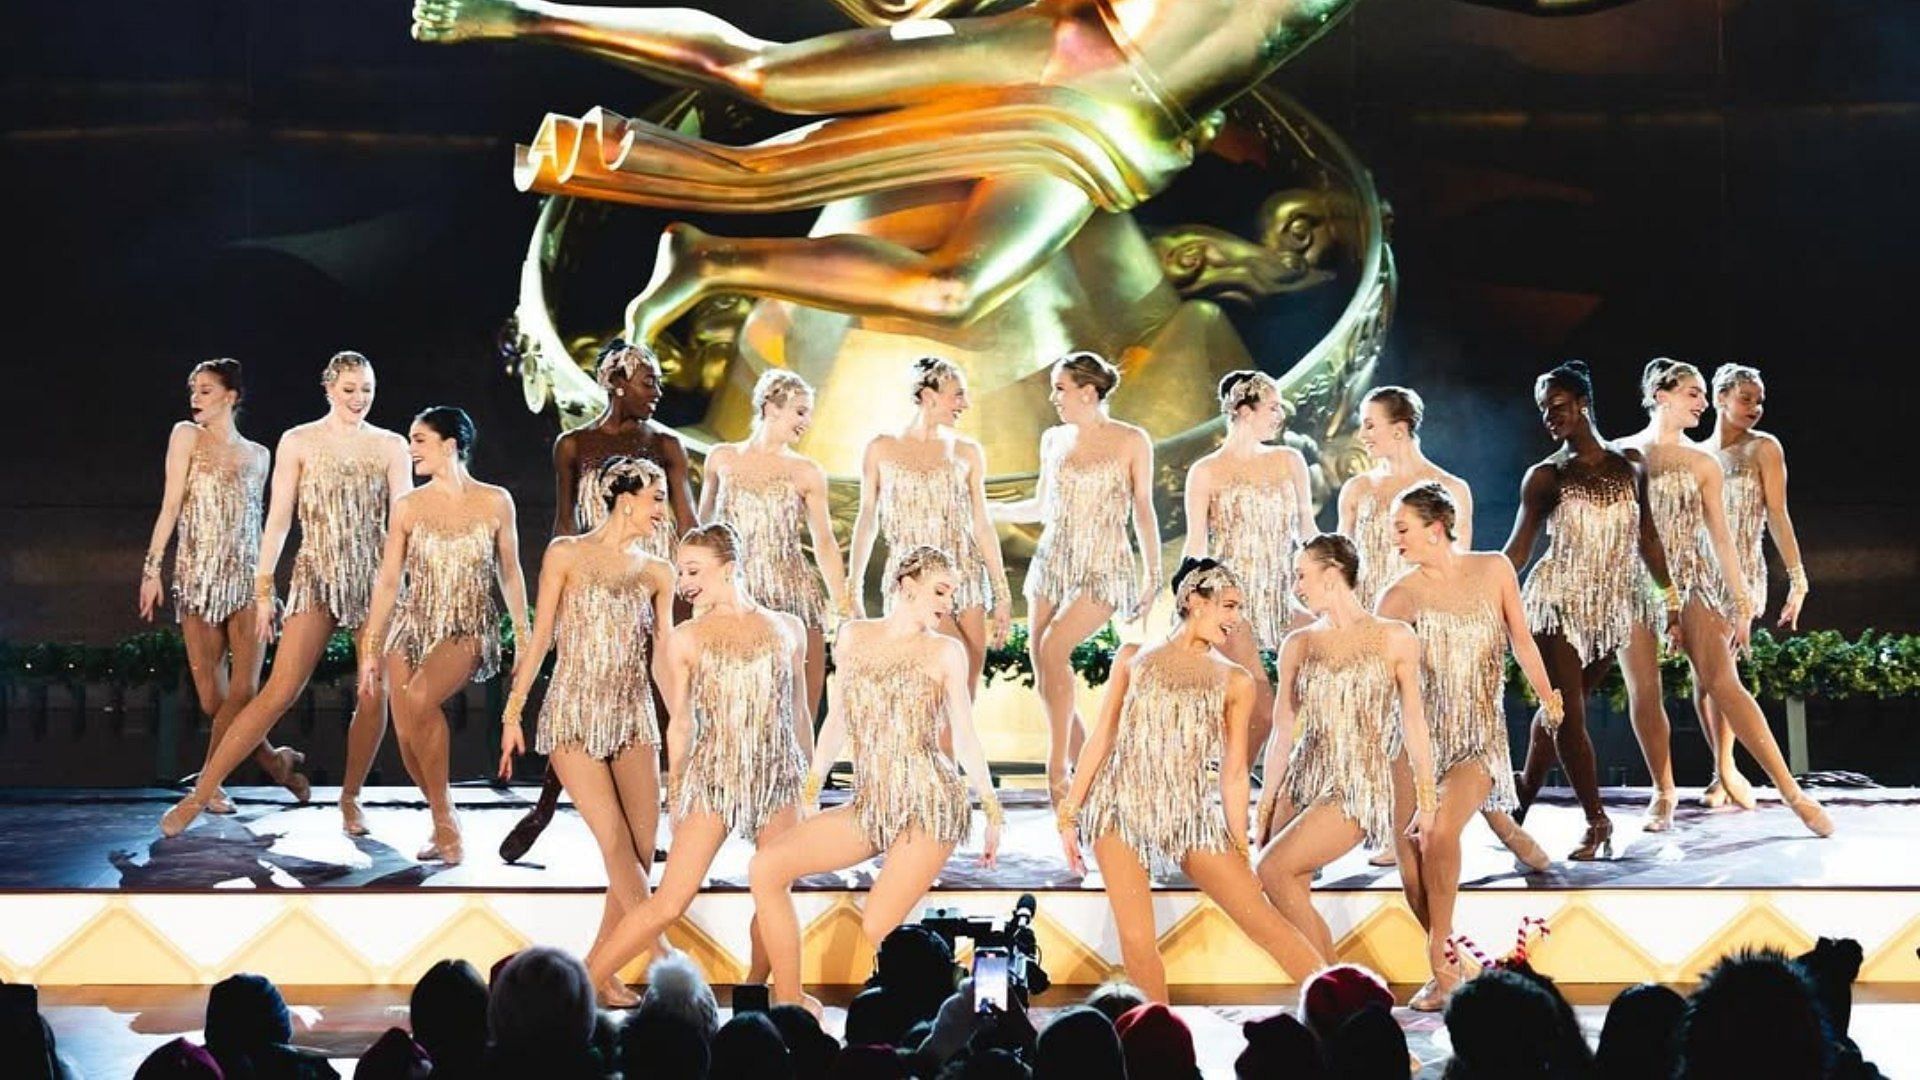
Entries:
{"x":680,"y":277}
{"x":448,"y":22}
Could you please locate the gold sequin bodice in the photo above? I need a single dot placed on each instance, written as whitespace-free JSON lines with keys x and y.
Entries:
{"x":1591,"y":586}
{"x":447,"y":592}
{"x":895,"y":704}
{"x":1463,"y":667}
{"x":1252,"y":525}
{"x":743,"y":761}
{"x":1679,"y":514}
{"x":1746,"y":501}
{"x":600,"y":699}
{"x":1159,"y":788}
{"x":590,"y":509}
{"x":1345,"y":727}
{"x":342,"y":503}
{"x":218,"y":535}
{"x":924,"y":498}
{"x":768,"y":512}
{"x":1380,"y":562}
{"x":1084,"y":549}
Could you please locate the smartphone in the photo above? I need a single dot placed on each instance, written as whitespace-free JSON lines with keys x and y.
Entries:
{"x":750,"y":998}
{"x":990,"y":979}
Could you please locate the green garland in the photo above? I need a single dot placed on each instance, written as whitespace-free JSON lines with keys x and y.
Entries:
{"x":1822,"y":664}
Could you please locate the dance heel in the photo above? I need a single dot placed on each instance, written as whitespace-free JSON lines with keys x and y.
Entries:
{"x":1715,"y":795}
{"x":1659,"y":813}
{"x":1520,"y":842}
{"x":445,"y":848}
{"x":1597,"y":844}
{"x":353,"y":820}
{"x":1386,"y":856}
{"x":288,"y":775}
{"x":1432,"y":997}
{"x":1740,"y":790}
{"x":1813,"y":816}
{"x":614,"y":994}
{"x":175,"y":821}
{"x":220,"y":804}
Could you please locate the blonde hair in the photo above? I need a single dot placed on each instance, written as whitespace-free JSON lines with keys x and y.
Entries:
{"x":777,"y":387}
{"x":717,"y":537}
{"x":1728,"y":376}
{"x":1090,"y":369}
{"x":342,"y":362}
{"x":929,"y":372}
{"x":1662,"y":373}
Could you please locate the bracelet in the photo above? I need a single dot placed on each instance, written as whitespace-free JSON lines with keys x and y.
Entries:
{"x":1797,"y":579}
{"x":1067,"y":815}
{"x":990,"y":806}
{"x":810,"y":790}
{"x":263,"y":588}
{"x":1673,"y":601}
{"x":516,"y":702}
{"x":1553,"y":708}
{"x":150,"y":567}
{"x":1425,"y":798}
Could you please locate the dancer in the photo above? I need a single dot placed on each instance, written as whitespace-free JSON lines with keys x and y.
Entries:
{"x":766,"y":490}
{"x":1465,"y":610}
{"x":1248,"y":504}
{"x":1684,"y":492}
{"x":212,"y":495}
{"x":926,"y":487}
{"x":450,"y":540}
{"x":345,"y":475}
{"x":1589,"y":598}
{"x":1756,"y":488}
{"x":1163,"y":781}
{"x":609,"y":605}
{"x":735,"y":677}
{"x":1390,"y":418}
{"x":1347,"y":681}
{"x":1095,"y":473}
{"x":898,"y":682}
{"x":629,"y":376}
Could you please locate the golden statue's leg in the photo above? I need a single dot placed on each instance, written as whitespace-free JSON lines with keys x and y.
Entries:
{"x":1010,"y":227}
{"x":847,"y":71}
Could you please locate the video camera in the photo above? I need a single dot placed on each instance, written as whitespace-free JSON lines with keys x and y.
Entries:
{"x":1006,"y":958}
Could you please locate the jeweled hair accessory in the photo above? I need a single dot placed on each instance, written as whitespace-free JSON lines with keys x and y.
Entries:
{"x":1252,"y":391}
{"x":623,"y":362}
{"x":1212,"y":579}
{"x":625,"y":469}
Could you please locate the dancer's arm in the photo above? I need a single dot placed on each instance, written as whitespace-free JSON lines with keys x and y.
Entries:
{"x":1302,"y":493}
{"x":1772,"y":460}
{"x":801,"y":701}
{"x":1347,"y":505}
{"x":826,"y":546}
{"x":1235,"y":784}
{"x":1280,"y":744}
{"x":1537,"y":493}
{"x":1146,"y":523}
{"x":673,"y":462}
{"x":1526,"y":652}
{"x":956,"y":674}
{"x":1196,"y":499}
{"x":282,"y":493}
{"x":386,"y":592}
{"x":399,"y":472}
{"x":1706,"y":468}
{"x":530,"y":652}
{"x":986,"y":539}
{"x":1403,"y":653}
{"x":865,"y":525}
{"x":179,"y":453}
{"x":716,"y":474}
{"x":833,"y":734}
{"x":1032,"y":510}
{"x":512,"y":578}
{"x":566,"y":479}
{"x":671,"y":674}
{"x":1093,"y":755}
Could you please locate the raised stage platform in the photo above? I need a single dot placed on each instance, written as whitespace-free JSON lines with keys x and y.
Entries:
{"x":91,"y":895}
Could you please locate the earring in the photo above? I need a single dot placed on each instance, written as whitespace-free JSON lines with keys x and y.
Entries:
{"x":1433,"y":539}
{"x":621,"y":392}
{"x":629,"y":511}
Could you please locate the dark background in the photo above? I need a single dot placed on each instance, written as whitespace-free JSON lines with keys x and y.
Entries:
{"x":1709,"y":179}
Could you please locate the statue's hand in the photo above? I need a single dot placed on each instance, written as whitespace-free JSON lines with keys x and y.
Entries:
{"x":446,"y":22}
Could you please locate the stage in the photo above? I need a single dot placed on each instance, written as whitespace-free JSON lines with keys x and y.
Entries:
{"x":90,"y":895}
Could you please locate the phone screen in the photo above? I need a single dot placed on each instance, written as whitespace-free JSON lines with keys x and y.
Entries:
{"x":990,"y":979}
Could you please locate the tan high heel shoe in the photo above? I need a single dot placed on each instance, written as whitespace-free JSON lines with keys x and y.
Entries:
{"x":175,"y":821}
{"x":1519,"y":841}
{"x":1659,"y":813}
{"x":1433,"y":996}
{"x":353,"y":820}
{"x":1812,"y":815}
{"x":220,"y":803}
{"x":614,"y":994}
{"x":445,"y":847}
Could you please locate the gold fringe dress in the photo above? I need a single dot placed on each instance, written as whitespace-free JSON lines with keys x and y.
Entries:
{"x":1347,"y":721}
{"x":743,"y":761}
{"x":895,"y":705}
{"x":924,"y":499}
{"x":447,"y":593}
{"x":1463,"y":667}
{"x":1084,"y":549}
{"x":1159,"y":790}
{"x":769,"y":514}
{"x":342,"y":505}
{"x":600,"y":700}
{"x":218,"y":535}
{"x":590,"y":508}
{"x":1380,"y":561}
{"x":1253,"y":524}
{"x":1746,"y":501}
{"x":1680,"y":517}
{"x":1591,"y":586}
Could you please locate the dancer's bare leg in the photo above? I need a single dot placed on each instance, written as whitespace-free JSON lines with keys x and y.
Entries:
{"x":418,"y":694}
{"x":1227,"y":880}
{"x":224,"y":684}
{"x":696,"y":840}
{"x":1646,"y":701}
{"x":824,"y":842}
{"x":1130,"y":895}
{"x":602,"y":806}
{"x":816,"y":674}
{"x":303,"y":638}
{"x":758,"y":966}
{"x":1315,"y":837}
{"x":1729,"y":784}
{"x":847,"y":71}
{"x":1053,"y":637}
{"x":1009,"y":228}
{"x":365,"y":732}
{"x":1434,"y":863}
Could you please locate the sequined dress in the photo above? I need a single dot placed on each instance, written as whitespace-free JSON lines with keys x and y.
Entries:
{"x":1347,"y":719}
{"x":218,"y":535}
{"x":1084,"y":549}
{"x":590,"y":509}
{"x":1746,"y":501}
{"x":342,"y":505}
{"x":1380,"y":562}
{"x":1591,"y":586}
{"x":895,"y":705}
{"x":1159,"y":790}
{"x":923,"y":498}
{"x":1463,"y":667}
{"x":600,"y":700}
{"x":769,"y":514}
{"x":1253,"y":523}
{"x":447,"y":593}
{"x":743,"y":761}
{"x":1679,"y":514}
